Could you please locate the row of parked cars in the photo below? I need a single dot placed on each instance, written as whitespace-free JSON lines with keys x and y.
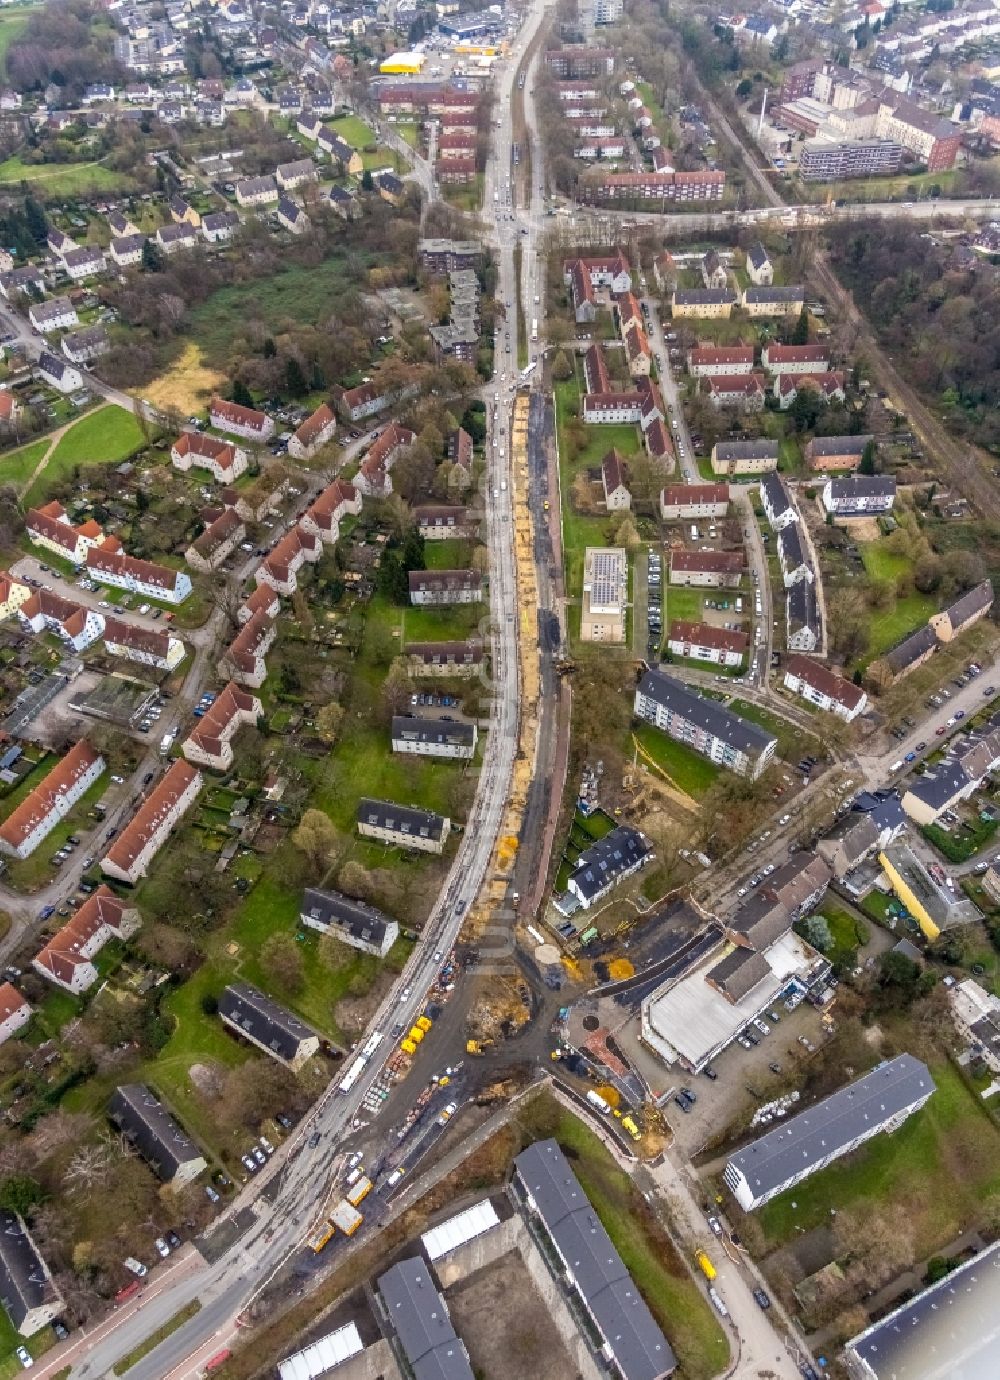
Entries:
{"x":654,"y":612}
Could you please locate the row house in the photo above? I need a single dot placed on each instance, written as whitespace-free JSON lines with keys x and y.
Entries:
{"x":291,"y":175}
{"x":829,"y":387}
{"x":595,"y":371}
{"x":15,"y":1011}
{"x":110,"y":567}
{"x":244,"y":659}
{"x":817,"y":684}
{"x":744,"y":457}
{"x":657,"y":186}
{"x":777,"y":502}
{"x":280,"y":568}
{"x":85,"y":345}
{"x":340,"y":152}
{"x":716,"y":361}
{"x":444,"y":658}
{"x":612,"y":408}
{"x":795,"y":563}
{"x":437,"y":588}
{"x":702,"y":302}
{"x":45,"y":611}
{"x":50,"y":801}
{"x":237,"y":420}
{"x":261,"y":599}
{"x":14,"y":594}
{"x":600,"y":148}
{"x":155,"y":1135}
{"x":448,"y":738}
{"x":57,"y":314}
{"x":315,"y":431}
{"x":67,"y":959}
{"x":857,"y":495}
{"x":133,"y":850}
{"x":743,"y":391}
{"x":614,"y":482}
{"x":50,"y":528}
{"x":968,"y":609}
{"x":442,"y":256}
{"x":955,"y":779}
{"x":456,"y":169}
{"x":148,"y":646}
{"x":219,"y":540}
{"x":210,"y":743}
{"x":438,"y":522}
{"x":183,"y":213}
{"x":223,"y":460}
{"x":170,"y":238}
{"x":460,"y":452}
{"x":679,"y":502}
{"x":373,"y":477}
{"x":340,"y":200}
{"x":264,"y":1023}
{"x":637,"y":351}
{"x":322,"y":518}
{"x":702,"y":642}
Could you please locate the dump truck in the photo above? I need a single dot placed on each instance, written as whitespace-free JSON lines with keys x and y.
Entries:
{"x":346,"y":1217}
{"x":705,"y":1265}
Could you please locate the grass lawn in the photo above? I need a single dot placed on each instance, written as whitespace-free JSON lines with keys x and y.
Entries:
{"x":450,"y":554}
{"x":889,"y":626}
{"x":687,"y":769}
{"x":64,"y":179}
{"x":792,"y":740}
{"x":108,"y":435}
{"x":847,"y":932}
{"x":17,"y":466}
{"x":354,"y":131}
{"x":682,"y":602}
{"x":10,"y":1338}
{"x":675,"y":1299}
{"x":952,"y":1140}
{"x":963,"y":841}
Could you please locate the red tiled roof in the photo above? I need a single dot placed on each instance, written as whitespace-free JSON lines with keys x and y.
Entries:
{"x":112,"y":562}
{"x":797,"y":354}
{"x":237,"y":413}
{"x":704,"y":635}
{"x":827,"y":682}
{"x":721,"y":354}
{"x":735,"y":383}
{"x":150,"y":815}
{"x":212,"y":731}
{"x":63,"y":953}
{"x":326,"y":508}
{"x":312,"y":426}
{"x":40,"y":802}
{"x":221,"y":453}
{"x":151,"y":640}
{"x":719,"y":562}
{"x":10,"y":1001}
{"x":217,"y":532}
{"x":244,"y":647}
{"x":681,"y":495}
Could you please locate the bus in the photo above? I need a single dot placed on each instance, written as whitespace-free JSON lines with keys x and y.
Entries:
{"x":534,"y":328}
{"x":358,"y":1064}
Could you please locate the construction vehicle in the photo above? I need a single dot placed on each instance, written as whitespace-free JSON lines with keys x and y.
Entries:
{"x":321,"y":1237}
{"x":407,"y":1046}
{"x":705,"y":1265}
{"x":359,"y":1191}
{"x":346,"y":1217}
{"x":631,"y":1127}
{"x":424,"y":1023}
{"x":596,"y":1100}
{"x":415,"y":1035}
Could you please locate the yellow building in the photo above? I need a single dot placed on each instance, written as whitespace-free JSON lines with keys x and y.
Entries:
{"x":703,"y":302}
{"x":935,"y":907}
{"x":12,"y":594}
{"x":403,"y":64}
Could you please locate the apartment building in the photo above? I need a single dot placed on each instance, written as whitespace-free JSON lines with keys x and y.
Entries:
{"x":434,"y":737}
{"x":267,"y":1025}
{"x":679,"y":502}
{"x":701,"y":642}
{"x":707,"y":569}
{"x":50,"y":801}
{"x":795,"y":359}
{"x":877,"y":1103}
{"x":963,"y":613}
{"x":223,"y":460}
{"x":444,"y":658}
{"x":858,"y":495}
{"x":315,"y":431}
{"x":15,"y":1011}
{"x":703,"y":302}
{"x":704,"y":725}
{"x":822,"y":687}
{"x":77,"y":624}
{"x":402,"y":826}
{"x":832,"y":453}
{"x":237,"y":420}
{"x":155,"y":1135}
{"x":148,"y":646}
{"x":280,"y":568}
{"x":210,"y":742}
{"x":744,"y":457}
{"x":777,"y":502}
{"x":244,"y":659}
{"x":773,"y":301}
{"x":353,"y":922}
{"x":257,"y":191}
{"x":112,"y":567}
{"x":133,"y":850}
{"x":66,"y":959}
{"x":50,"y":528}
{"x":27,"y":1292}
{"x":716,"y":360}
{"x":323,"y":516}
{"x":372,"y":479}
{"x":439,"y":588}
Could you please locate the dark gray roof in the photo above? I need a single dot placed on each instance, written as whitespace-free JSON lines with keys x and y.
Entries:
{"x":774,"y":294}
{"x":911,"y":649}
{"x":839,"y":445}
{"x":703,"y":297}
{"x":856,"y":834}
{"x":289,"y":209}
{"x":939,"y":787}
{"x":409,"y":728}
{"x":420,"y":1320}
{"x":761,"y":920}
{"x":951,"y":1329}
{"x":332,"y":908}
{"x":219,"y":220}
{"x":836,"y":1122}
{"x":772,"y":489}
{"x":608,"y":858}
{"x":706,"y":714}
{"x":739,"y":972}
{"x":883,"y":806}
{"x":790,"y":547}
{"x":263,"y":1020}
{"x":629,"y":1330}
{"x":151,"y":1129}
{"x":802,"y":607}
{"x":405,"y":819}
{"x":24,"y":1281}
{"x":747,"y":450}
{"x":863,"y":486}
{"x":970,"y":604}
{"x":52,"y":364}
{"x":757,"y":254}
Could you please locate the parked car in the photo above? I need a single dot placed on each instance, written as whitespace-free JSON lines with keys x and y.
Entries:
{"x":249,"y":1163}
{"x":762,"y":1298}
{"x":162,"y":1247}
{"x":682,"y":1104}
{"x":24,"y":1356}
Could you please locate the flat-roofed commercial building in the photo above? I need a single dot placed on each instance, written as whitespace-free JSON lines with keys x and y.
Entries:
{"x":878,"y":1102}
{"x":605,"y":588}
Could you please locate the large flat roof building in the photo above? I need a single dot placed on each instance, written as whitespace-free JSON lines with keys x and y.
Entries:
{"x":950,"y":1331}
{"x":420,"y":1321}
{"x":879,"y":1101}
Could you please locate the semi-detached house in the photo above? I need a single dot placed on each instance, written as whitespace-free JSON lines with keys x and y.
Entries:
{"x":57,"y":314}
{"x":244,"y":659}
{"x":50,"y":801}
{"x":820,"y":686}
{"x":51,"y":528}
{"x":702,"y":642}
{"x":223,"y":533}
{"x":795,"y":359}
{"x":434,"y":737}
{"x":77,"y":624}
{"x":323,"y":516}
{"x":280,"y":568}
{"x":133,"y":850}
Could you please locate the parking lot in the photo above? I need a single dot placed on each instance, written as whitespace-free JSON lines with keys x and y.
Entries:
{"x":654,"y":601}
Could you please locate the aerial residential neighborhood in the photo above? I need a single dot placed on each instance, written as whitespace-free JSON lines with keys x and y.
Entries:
{"x":499,"y":690}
